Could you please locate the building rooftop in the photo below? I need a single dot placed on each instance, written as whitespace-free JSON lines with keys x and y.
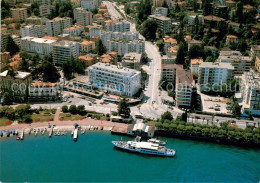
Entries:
{"x":39,"y":40}
{"x":73,"y":28}
{"x":19,"y":74}
{"x":184,"y":77}
{"x":196,"y":61}
{"x":86,"y":43}
{"x":160,"y":17}
{"x":216,"y":65}
{"x":213,"y":18}
{"x":232,"y":36}
{"x":230,"y":53}
{"x":42,"y":84}
{"x":255,"y":47}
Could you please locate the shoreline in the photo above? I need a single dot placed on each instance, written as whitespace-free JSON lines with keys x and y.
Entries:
{"x":64,"y":125}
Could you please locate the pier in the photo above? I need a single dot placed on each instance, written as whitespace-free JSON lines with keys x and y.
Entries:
{"x":75,"y":134}
{"x":22,"y":135}
{"x":50,"y":134}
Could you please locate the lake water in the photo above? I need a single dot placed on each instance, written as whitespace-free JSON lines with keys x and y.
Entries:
{"x":94,"y":159}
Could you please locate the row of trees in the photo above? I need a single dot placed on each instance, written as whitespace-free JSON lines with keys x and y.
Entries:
{"x":73,"y":109}
{"x":225,"y":133}
{"x":62,"y":9}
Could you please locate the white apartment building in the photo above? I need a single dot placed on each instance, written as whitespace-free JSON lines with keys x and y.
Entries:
{"x":89,"y":4}
{"x":183,"y":88}
{"x":250,"y":89}
{"x":45,"y":10}
{"x":122,"y":26}
{"x":82,"y":16}
{"x":95,"y":31}
{"x":62,"y":51}
{"x":32,"y":31}
{"x":43,"y":91}
{"x":126,"y":36}
{"x":41,"y":2}
{"x":115,"y":79}
{"x":241,"y":63}
{"x":164,"y":23}
{"x":76,"y":30}
{"x":161,"y":11}
{"x":55,"y":26}
{"x":191,"y":19}
{"x":213,"y":75}
{"x":122,"y":47}
{"x":37,"y":45}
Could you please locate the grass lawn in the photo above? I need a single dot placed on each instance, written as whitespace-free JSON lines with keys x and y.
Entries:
{"x":3,"y":121}
{"x":151,"y":123}
{"x":42,"y":116}
{"x":69,"y":116}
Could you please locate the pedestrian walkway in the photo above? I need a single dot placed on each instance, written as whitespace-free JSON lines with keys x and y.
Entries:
{"x":56,"y":117}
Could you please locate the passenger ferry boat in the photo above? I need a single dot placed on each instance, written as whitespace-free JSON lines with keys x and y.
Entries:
{"x":144,"y":148}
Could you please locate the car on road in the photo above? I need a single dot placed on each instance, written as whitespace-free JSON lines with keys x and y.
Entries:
{"x":89,"y":103}
{"x":211,"y":107}
{"x":217,"y":105}
{"x":70,"y":101}
{"x":153,"y":101}
{"x":217,"y":109}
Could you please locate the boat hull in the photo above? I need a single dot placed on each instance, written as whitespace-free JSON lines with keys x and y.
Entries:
{"x":142,"y":152}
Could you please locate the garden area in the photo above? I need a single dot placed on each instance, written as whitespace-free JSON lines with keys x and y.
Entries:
{"x":24,"y":114}
{"x":73,"y":113}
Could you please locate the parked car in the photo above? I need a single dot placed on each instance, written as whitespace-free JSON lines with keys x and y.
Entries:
{"x":211,"y":107}
{"x":217,"y":109}
{"x":217,"y":105}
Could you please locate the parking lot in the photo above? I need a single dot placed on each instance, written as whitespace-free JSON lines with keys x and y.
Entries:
{"x":217,"y":105}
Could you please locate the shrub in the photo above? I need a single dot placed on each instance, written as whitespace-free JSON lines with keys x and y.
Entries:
{"x":64,"y":109}
{"x":73,"y":109}
{"x":53,"y":111}
{"x":37,"y":120}
{"x":114,"y":113}
{"x":61,"y":118}
{"x":27,"y":118}
{"x":8,"y":122}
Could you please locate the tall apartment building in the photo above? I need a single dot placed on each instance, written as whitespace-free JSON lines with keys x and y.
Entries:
{"x":126,"y":36}
{"x":82,"y":16}
{"x":32,"y":31}
{"x":95,"y":31}
{"x":113,"y":26}
{"x":241,"y":63}
{"x":55,"y":26}
{"x":64,"y":50}
{"x":164,"y":23}
{"x":45,"y":10}
{"x":213,"y":75}
{"x":255,"y":49}
{"x":19,"y":14}
{"x":122,"y":47}
{"x":169,"y":71}
{"x":41,"y":2}
{"x":251,"y":92}
{"x":257,"y":62}
{"x":183,"y":89}
{"x":87,"y":47}
{"x":132,"y":60}
{"x":89,"y":4}
{"x":115,"y":79}
{"x":161,"y":11}
{"x":41,"y":46}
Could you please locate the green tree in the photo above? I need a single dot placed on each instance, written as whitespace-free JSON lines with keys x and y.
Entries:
{"x":166,"y":116}
{"x":100,"y":48}
{"x":160,"y":44}
{"x":22,"y":110}
{"x":180,"y":58}
{"x":80,"y":109}
{"x":50,"y":72}
{"x":7,"y":98}
{"x":5,"y":9}
{"x":239,"y":12}
{"x":65,"y":109}
{"x":148,"y":29}
{"x":27,"y":118}
{"x":123,"y":108}
{"x":36,"y":12}
{"x":73,"y":109}
{"x":236,"y":109}
{"x":67,"y":70}
{"x":11,"y":46}
{"x":24,"y":66}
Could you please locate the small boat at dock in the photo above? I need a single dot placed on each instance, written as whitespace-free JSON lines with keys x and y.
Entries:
{"x":7,"y":132}
{"x":1,"y":133}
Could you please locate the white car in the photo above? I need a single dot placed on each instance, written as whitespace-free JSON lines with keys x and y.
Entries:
{"x":217,"y":105}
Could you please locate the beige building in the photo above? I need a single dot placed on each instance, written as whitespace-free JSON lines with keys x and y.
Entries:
{"x":19,"y":14}
{"x":56,"y":26}
{"x":231,"y":39}
{"x":82,"y":16}
{"x":164,"y":23}
{"x":132,"y":60}
{"x":255,"y":49}
{"x":75,"y":30}
{"x":169,"y":71}
{"x":87,"y":47}
{"x":194,"y":65}
{"x":169,"y":42}
{"x":257,"y":62}
{"x":45,"y":10}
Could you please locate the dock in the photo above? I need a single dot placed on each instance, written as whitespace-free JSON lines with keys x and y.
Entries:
{"x":22,"y":135}
{"x":75,"y":134}
{"x":50,"y":134}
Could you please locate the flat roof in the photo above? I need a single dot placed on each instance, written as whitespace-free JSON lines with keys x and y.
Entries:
{"x":184,"y":77}
{"x":219,"y":65}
